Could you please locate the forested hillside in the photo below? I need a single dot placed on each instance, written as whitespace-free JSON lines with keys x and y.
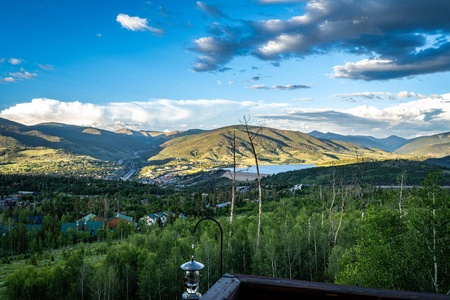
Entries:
{"x":388,"y":172}
{"x":354,"y":234}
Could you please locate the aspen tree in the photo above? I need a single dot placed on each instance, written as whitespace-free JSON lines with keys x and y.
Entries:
{"x":251,"y":138}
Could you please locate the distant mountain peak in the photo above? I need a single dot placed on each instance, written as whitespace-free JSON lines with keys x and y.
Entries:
{"x":92,"y":131}
{"x":390,"y":143}
{"x":126,"y":131}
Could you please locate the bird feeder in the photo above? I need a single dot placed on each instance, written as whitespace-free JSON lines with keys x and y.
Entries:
{"x":191,"y":278}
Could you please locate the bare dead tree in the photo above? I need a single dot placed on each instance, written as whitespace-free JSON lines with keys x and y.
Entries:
{"x":233,"y":178}
{"x":251,"y":137}
{"x":333,"y":199}
{"x":343,"y":196}
{"x":233,"y":187}
{"x":360,"y":182}
{"x":402,"y":182}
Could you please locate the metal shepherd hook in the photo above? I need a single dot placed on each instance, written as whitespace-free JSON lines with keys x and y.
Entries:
{"x":221,"y":239}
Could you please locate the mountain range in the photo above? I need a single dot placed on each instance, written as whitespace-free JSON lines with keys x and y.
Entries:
{"x":213,"y":148}
{"x":390,"y":143}
{"x":437,"y":145}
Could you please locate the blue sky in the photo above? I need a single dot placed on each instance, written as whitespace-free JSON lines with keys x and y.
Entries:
{"x":369,"y":67}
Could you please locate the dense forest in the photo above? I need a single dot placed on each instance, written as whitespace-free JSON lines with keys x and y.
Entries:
{"x":341,"y":232}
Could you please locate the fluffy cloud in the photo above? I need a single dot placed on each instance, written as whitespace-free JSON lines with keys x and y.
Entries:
{"x":396,"y":45}
{"x":15,"y":76}
{"x":152,"y":115}
{"x":23,"y":75}
{"x":378,"y":69}
{"x":15,"y":61}
{"x":18,"y":71}
{"x":7,"y":79}
{"x":136,"y":24}
{"x":417,"y":117}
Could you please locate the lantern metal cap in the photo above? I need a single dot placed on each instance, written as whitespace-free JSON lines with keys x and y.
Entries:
{"x":192,"y":265}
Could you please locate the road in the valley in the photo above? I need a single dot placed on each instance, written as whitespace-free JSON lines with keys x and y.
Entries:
{"x":133,"y":170}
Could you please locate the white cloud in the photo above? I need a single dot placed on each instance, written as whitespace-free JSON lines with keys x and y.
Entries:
{"x":15,"y":61}
{"x":408,"y":119}
{"x":23,"y":75}
{"x":7,"y":79}
{"x":136,"y":24}
{"x":157,"y":114}
{"x":406,"y":94}
{"x":283,"y":43}
{"x":260,"y":87}
{"x":415,"y":118}
{"x":349,"y":69}
{"x":45,"y":67}
{"x":303,"y":99}
{"x":420,"y":113}
{"x":355,"y":97}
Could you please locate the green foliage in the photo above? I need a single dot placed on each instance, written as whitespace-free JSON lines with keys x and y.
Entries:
{"x":386,"y":172}
{"x":406,"y":251}
{"x":378,"y":258}
{"x":319,"y":234}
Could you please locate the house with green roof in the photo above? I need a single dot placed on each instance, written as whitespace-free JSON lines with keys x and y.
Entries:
{"x":89,"y":226}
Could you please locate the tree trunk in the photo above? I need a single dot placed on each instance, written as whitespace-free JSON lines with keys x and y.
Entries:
{"x":251,"y":138}
{"x":233,"y":188}
{"x":435,"y":264}
{"x":342,"y":216}
{"x":402,"y":179}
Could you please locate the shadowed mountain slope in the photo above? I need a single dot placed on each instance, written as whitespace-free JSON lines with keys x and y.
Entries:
{"x":390,"y":143}
{"x":437,"y":145}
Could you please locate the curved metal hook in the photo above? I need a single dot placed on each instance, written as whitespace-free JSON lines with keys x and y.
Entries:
{"x":221,"y":239}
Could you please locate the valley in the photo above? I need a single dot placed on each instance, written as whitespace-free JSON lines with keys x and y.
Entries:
{"x":63,"y":174}
{"x":52,"y":148}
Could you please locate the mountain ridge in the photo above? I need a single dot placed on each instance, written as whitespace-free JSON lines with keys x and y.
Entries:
{"x":211,"y":148}
{"x":390,"y":143}
{"x":274,"y":146}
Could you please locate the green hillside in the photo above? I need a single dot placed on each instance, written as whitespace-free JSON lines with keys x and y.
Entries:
{"x":152,"y":154}
{"x":437,"y":145}
{"x":45,"y":161}
{"x":214,"y":148}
